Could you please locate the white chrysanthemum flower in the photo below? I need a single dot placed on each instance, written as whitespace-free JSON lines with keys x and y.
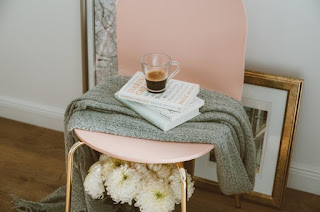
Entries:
{"x":141,"y":168}
{"x":103,"y":158}
{"x":175,"y":184}
{"x":93,"y":184}
{"x":109,"y":165}
{"x":154,"y":167}
{"x":123,"y":184}
{"x":155,"y":187}
{"x":165,"y":171}
{"x":155,"y":197}
{"x":146,"y":174}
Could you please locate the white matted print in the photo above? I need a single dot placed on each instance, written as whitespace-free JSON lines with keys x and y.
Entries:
{"x":265,"y":108}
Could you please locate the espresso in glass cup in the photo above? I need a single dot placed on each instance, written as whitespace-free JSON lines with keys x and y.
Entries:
{"x":156,"y":68}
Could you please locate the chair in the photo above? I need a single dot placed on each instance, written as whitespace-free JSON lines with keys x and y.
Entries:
{"x":207,"y":37}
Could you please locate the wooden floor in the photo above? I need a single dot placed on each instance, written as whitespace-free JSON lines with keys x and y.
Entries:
{"x":32,"y":166}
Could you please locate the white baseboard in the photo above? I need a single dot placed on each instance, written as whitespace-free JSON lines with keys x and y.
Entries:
{"x":301,"y":177}
{"x":304,"y":178}
{"x":32,"y":113}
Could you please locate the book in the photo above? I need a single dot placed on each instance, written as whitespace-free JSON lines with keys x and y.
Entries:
{"x":156,"y":118}
{"x":196,"y":103}
{"x":176,"y":97}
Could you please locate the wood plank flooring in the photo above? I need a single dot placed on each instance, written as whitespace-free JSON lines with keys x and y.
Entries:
{"x":32,"y":166}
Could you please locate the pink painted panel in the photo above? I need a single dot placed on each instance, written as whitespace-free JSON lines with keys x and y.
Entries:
{"x":206,"y":36}
{"x":141,"y":150}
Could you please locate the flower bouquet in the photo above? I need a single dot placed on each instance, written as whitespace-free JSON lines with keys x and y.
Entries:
{"x":150,"y":187}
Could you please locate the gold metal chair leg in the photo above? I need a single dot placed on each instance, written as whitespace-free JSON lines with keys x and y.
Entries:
{"x":237,"y":198}
{"x":69,"y":173}
{"x":183,"y":178}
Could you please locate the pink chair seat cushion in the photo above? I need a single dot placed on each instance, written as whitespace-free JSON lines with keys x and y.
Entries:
{"x":142,"y":150}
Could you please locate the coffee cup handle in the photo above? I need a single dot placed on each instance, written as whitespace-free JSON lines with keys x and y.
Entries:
{"x":175,"y":72}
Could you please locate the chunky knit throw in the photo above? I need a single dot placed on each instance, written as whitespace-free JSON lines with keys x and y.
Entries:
{"x":222,"y":122}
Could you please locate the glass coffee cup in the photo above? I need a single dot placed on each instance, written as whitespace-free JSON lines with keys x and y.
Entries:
{"x":156,"y":68}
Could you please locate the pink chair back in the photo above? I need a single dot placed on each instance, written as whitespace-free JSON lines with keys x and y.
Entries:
{"x":207,"y":37}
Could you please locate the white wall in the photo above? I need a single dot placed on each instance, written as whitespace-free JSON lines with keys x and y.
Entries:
{"x":40,"y":65}
{"x":40,"y":59}
{"x":284,"y":39}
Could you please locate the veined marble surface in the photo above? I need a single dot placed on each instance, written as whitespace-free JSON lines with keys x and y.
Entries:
{"x":105,"y":39}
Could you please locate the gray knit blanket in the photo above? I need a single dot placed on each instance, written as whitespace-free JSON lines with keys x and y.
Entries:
{"x":222,"y":122}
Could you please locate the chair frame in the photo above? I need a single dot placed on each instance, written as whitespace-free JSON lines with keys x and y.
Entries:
{"x":78,"y":144}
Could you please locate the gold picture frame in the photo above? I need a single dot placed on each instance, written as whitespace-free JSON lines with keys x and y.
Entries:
{"x":293,"y":87}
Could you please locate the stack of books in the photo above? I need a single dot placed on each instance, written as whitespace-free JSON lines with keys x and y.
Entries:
{"x":176,"y":105}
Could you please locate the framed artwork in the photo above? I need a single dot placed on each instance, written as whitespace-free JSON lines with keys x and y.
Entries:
{"x":98,"y":36}
{"x":272,"y":105}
